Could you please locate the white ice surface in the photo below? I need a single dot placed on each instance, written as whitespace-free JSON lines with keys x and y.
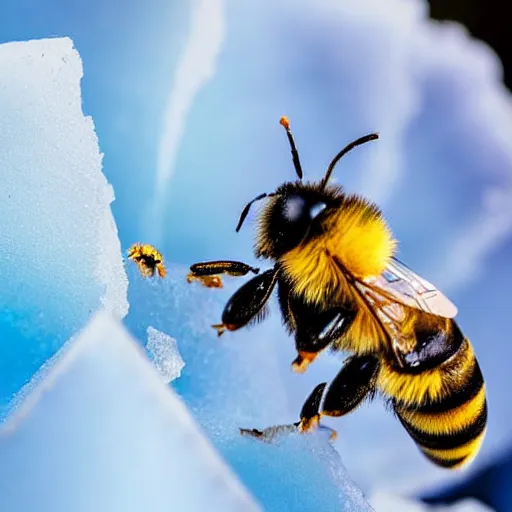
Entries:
{"x":60,"y":246}
{"x":164,"y":352}
{"x":103,"y":433}
{"x":61,"y":255}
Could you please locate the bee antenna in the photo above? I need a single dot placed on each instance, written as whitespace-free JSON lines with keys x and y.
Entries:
{"x":245,"y":211}
{"x":295,"y":154}
{"x":344,"y":151}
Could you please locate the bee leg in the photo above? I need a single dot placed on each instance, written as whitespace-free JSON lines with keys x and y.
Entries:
{"x":211,"y":268}
{"x":208,"y":273}
{"x":310,"y":414}
{"x":316,"y":333}
{"x":247,"y":304}
{"x":354,"y":382}
{"x":220,"y":328}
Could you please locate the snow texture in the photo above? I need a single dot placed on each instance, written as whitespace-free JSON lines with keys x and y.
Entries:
{"x":165,"y":355}
{"x":61,"y":256}
{"x":103,"y":433}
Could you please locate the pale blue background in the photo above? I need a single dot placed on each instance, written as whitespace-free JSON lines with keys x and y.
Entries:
{"x":336,"y":77}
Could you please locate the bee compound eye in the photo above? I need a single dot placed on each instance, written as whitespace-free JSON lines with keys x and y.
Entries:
{"x":293,"y":208}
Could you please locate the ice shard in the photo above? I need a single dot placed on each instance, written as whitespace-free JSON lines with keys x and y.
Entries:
{"x":102,"y":432}
{"x":61,"y":255}
{"x":163,"y":351}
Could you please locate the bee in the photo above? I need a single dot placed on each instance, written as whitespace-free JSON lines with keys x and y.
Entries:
{"x":309,"y":421}
{"x":208,"y":273}
{"x":340,"y":285}
{"x":148,"y":259}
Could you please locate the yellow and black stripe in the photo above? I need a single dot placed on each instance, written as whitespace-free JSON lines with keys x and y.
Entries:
{"x":444,"y":409}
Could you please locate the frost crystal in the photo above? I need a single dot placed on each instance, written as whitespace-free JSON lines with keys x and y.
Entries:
{"x":165,"y":354}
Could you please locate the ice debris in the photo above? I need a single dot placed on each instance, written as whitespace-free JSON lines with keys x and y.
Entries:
{"x":164,"y":353}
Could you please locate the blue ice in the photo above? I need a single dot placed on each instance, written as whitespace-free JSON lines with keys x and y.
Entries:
{"x":61,"y":255}
{"x":102,"y":432}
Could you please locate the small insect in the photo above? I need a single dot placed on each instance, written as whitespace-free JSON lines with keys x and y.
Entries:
{"x":148,"y":259}
{"x":339,"y":285}
{"x":309,"y":421}
{"x":208,"y":273}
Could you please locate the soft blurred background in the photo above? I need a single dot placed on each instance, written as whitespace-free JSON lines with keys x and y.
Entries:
{"x":186,"y":98}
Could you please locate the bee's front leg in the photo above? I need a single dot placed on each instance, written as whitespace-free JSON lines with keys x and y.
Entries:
{"x":247,"y":304}
{"x":208,"y":272}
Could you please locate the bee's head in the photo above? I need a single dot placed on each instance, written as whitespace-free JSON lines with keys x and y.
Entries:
{"x":293,"y":209}
{"x":292,"y":213}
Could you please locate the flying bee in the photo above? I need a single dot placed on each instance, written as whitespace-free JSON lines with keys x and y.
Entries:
{"x":339,"y":285}
{"x":208,"y":273}
{"x":309,"y":421}
{"x":148,"y":259}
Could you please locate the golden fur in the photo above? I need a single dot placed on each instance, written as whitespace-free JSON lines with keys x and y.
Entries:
{"x":356,"y":235}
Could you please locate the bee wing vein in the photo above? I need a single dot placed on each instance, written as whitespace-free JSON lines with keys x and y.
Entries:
{"x":400,"y":284}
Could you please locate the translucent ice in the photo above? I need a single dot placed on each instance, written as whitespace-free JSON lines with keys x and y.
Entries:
{"x":102,"y":432}
{"x":61,"y":256}
{"x":165,"y":355}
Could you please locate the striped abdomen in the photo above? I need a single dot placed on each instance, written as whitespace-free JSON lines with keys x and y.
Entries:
{"x":444,"y":408}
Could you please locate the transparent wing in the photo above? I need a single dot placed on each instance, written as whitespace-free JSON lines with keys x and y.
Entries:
{"x":399,"y":283}
{"x":390,"y":314}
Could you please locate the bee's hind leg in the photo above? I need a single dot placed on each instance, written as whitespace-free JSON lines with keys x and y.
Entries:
{"x":354,"y":382}
{"x":310,"y":412}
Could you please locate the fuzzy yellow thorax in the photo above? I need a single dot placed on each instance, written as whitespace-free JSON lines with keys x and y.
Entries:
{"x":356,"y":236}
